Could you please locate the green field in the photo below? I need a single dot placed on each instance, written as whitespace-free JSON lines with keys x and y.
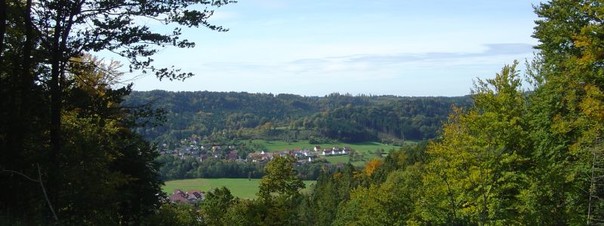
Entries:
{"x":240,"y":187}
{"x":365,"y":147}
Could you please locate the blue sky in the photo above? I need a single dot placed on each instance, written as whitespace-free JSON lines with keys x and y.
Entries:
{"x":379,"y":47}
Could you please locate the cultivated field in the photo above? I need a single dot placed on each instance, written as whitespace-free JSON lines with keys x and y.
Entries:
{"x":240,"y":187}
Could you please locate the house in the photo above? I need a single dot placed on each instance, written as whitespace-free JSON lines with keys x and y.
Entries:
{"x":260,"y":157}
{"x":345,"y":150}
{"x":193,"y":196}
{"x":178,"y":196}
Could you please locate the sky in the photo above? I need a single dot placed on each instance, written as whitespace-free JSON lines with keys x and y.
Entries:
{"x":378,"y":47}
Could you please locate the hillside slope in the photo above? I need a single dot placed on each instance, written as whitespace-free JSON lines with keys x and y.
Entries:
{"x":291,"y":117}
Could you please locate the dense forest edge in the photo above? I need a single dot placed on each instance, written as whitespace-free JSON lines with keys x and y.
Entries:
{"x":338,"y":117}
{"x":527,"y":150}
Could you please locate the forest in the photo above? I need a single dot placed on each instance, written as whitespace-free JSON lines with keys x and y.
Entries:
{"x":340,"y":117}
{"x":525,"y":150}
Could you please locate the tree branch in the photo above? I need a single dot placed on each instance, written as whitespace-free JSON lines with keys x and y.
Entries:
{"x":39,"y":180}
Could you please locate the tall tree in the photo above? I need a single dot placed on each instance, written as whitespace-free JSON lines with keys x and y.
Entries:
{"x":476,"y":171}
{"x":280,"y":191}
{"x":70,"y":28}
{"x":567,"y":110}
{"x":214,"y":207}
{"x":280,"y":179}
{"x":47,"y":108}
{"x":22,"y":119}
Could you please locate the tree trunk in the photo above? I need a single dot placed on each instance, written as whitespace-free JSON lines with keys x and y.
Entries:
{"x":55,"y":111}
{"x":2,"y":28}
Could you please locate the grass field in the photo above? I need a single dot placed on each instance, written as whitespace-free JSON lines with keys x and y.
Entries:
{"x":240,"y":187}
{"x":365,"y":147}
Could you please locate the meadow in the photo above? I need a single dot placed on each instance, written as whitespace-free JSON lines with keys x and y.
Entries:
{"x":240,"y":187}
{"x":365,"y":147}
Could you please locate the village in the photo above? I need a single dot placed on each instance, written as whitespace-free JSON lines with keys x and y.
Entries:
{"x":192,"y":148}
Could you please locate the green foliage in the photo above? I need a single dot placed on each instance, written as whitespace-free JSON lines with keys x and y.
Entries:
{"x":331,"y":190}
{"x":280,"y":192}
{"x":214,"y":206}
{"x":290,"y":117}
{"x":476,"y":171}
{"x":389,"y":203}
{"x":566,"y":119}
{"x":176,"y":168}
{"x":280,"y":179}
{"x":247,"y":212}
{"x":174,"y":215}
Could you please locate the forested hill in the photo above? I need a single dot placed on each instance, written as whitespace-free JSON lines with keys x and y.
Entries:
{"x":286,"y":116}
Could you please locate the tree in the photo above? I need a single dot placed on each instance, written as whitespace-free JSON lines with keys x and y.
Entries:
{"x":66,"y":33}
{"x":566,"y":115}
{"x":280,"y":179}
{"x":247,"y":212}
{"x":280,"y":191}
{"x":389,"y":203}
{"x":215,"y":206}
{"x":53,"y":119}
{"x":330,"y":192}
{"x":476,"y":171}
{"x":101,"y":147}
{"x":175,"y":214}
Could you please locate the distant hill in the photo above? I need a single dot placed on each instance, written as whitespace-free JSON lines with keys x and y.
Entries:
{"x":229,"y":115}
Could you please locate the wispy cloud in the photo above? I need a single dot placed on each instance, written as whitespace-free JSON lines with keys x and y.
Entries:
{"x":372,"y":61}
{"x":492,"y":50}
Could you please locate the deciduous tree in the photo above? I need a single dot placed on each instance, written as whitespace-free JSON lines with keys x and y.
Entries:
{"x":477,"y":170}
{"x":45,"y":81}
{"x":566,"y":112}
{"x":280,"y":191}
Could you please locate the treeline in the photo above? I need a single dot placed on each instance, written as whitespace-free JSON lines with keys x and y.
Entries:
{"x":290,"y":117}
{"x":173,"y":168}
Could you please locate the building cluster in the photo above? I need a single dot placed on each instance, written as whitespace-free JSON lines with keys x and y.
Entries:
{"x":302,"y":155}
{"x":192,"y":148}
{"x":192,"y":197}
